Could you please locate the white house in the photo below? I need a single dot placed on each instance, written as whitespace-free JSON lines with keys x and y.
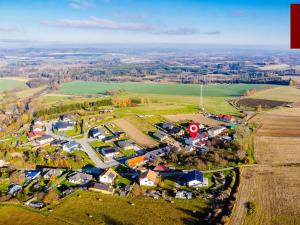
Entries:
{"x":148,"y":178}
{"x":45,"y":139}
{"x":108,"y":176}
{"x":70,"y":146}
{"x":216,"y":131}
{"x":191,"y":141}
{"x":196,"y":179}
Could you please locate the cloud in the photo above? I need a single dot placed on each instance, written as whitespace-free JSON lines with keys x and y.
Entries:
{"x":16,"y":41}
{"x":185,"y":31}
{"x":9,"y":29}
{"x":212,"y":33}
{"x":179,"y":31}
{"x":81,"y":4}
{"x":101,"y":24}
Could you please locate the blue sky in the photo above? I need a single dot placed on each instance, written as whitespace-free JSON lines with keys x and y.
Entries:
{"x":240,"y":22}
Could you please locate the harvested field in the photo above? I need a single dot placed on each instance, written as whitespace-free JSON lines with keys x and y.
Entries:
{"x":275,"y":192}
{"x":195,"y":117}
{"x":254,"y":103}
{"x":273,"y":150}
{"x":279,"y":123}
{"x":135,"y":133}
{"x":274,"y":184}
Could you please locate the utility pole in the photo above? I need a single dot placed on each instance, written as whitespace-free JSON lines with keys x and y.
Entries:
{"x":201,"y":97}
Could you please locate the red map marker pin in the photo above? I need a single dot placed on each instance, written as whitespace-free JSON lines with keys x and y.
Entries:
{"x":193,"y":129}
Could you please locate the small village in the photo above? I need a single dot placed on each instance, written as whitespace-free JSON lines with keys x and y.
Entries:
{"x":121,"y":165}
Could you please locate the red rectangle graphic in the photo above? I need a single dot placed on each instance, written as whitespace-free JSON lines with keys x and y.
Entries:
{"x":295,"y":26}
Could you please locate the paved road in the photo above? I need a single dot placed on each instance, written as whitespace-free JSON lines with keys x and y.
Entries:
{"x":84,"y":142}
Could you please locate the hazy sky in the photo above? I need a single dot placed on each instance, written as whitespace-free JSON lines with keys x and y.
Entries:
{"x":242,"y":22}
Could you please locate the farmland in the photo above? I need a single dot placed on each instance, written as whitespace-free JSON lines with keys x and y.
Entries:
{"x":219,"y":90}
{"x":11,"y":83}
{"x":135,"y":133}
{"x":281,"y":93}
{"x":273,"y":185}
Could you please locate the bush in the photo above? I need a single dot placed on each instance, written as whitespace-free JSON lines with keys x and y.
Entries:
{"x":251,"y":208}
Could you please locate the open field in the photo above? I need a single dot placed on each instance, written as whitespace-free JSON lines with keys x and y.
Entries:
{"x":282,"y":93}
{"x":19,"y":216}
{"x":9,"y":84}
{"x":254,"y":103}
{"x":134,"y":133}
{"x":275,"y":192}
{"x":116,"y":210}
{"x":29,"y":92}
{"x":275,"y":67}
{"x":220,"y":90}
{"x":195,"y":117}
{"x":274,"y":184}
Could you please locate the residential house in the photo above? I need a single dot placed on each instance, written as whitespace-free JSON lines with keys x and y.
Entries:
{"x":80,"y":178}
{"x":32,"y":174}
{"x":213,"y":132}
{"x":192,"y":141}
{"x":52,"y":173}
{"x":160,"y":168}
{"x":108,"y":176}
{"x":135,"y":162}
{"x":148,"y":178}
{"x":66,"y":118}
{"x":36,"y":128}
{"x":111,"y":139}
{"x":97,"y":133}
{"x":178,"y":131}
{"x":226,"y":118}
{"x":127,"y":144}
{"x":120,"y":134}
{"x":161,"y":136}
{"x":14,"y":189}
{"x":109,"y":151}
{"x":45,"y":139}
{"x":63,"y":126}
{"x":158,"y":152}
{"x":196,"y":179}
{"x":103,"y":188}
{"x":167,"y":126}
{"x":33,"y":135}
{"x":189,"y":148}
{"x":70,"y":146}
{"x":4,"y":164}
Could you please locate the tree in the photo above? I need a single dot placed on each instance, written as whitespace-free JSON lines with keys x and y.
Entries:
{"x":51,"y":197}
{"x":259,"y":108}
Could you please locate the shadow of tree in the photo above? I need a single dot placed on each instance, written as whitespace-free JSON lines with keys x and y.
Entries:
{"x":111,"y":221}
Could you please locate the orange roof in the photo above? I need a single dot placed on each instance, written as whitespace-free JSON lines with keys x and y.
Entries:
{"x":151,"y":175}
{"x":136,"y":161}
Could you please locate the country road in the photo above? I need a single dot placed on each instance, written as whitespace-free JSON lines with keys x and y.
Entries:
{"x":84,"y":142}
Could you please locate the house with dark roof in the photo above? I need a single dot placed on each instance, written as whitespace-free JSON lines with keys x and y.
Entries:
{"x":178,"y":131}
{"x":127,"y":144}
{"x":196,"y":179}
{"x":63,"y":126}
{"x":161,"y":136}
{"x":167,"y":126}
{"x":103,"y":188}
{"x":45,"y":139}
{"x":109,"y":151}
{"x":80,"y":178}
{"x":97,"y":133}
{"x":108,"y":176}
{"x":70,"y":146}
{"x":158,"y":152}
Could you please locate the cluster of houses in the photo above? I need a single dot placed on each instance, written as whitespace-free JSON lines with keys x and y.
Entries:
{"x":64,"y":123}
{"x":199,"y":142}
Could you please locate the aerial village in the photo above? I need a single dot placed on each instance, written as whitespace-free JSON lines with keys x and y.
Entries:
{"x":120,"y":164}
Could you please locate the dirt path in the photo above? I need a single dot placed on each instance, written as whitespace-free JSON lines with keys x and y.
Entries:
{"x":195,"y":117}
{"x":274,"y":183}
{"x":134,"y":133}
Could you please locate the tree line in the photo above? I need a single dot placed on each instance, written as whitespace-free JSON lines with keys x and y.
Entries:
{"x":70,"y":107}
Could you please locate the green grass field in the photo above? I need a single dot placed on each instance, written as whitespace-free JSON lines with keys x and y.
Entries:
{"x":9,"y":84}
{"x":220,"y":90}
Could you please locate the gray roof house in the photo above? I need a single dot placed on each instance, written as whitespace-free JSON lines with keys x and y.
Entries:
{"x":80,"y":178}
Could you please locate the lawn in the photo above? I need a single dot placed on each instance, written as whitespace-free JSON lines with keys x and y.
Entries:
{"x":9,"y":84}
{"x":117,"y":210}
{"x":220,"y":90}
